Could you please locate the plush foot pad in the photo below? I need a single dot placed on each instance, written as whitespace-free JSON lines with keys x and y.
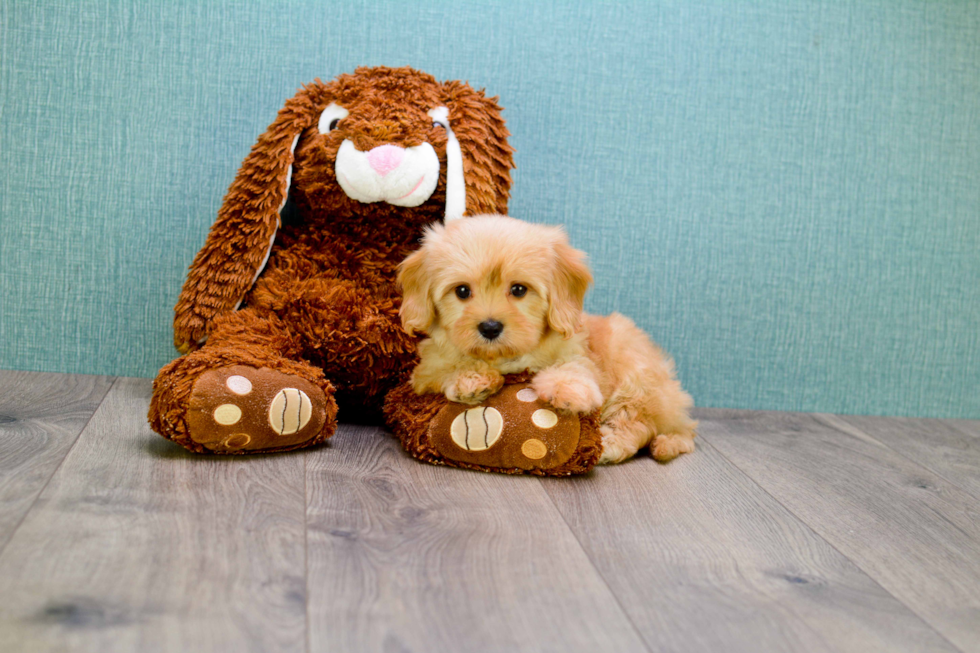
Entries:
{"x":510,"y":429}
{"x":243,"y":409}
{"x":514,"y":431}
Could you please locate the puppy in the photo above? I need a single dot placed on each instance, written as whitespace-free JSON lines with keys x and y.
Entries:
{"x":497,"y":296}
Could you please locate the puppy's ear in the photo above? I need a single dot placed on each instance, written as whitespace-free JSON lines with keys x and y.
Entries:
{"x":487,"y":157}
{"x":418,"y":311}
{"x":571,"y":278}
{"x":241,"y":238}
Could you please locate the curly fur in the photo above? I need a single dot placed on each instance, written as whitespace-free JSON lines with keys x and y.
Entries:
{"x":324,"y":304}
{"x":582,"y":362}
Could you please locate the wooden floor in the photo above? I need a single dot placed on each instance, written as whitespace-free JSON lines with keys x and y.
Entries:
{"x":782,"y":532}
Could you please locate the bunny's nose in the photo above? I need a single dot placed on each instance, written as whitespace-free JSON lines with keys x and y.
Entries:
{"x":385,"y":158}
{"x":490,"y":329}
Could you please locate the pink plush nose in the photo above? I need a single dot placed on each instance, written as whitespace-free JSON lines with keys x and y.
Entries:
{"x":385,"y":158}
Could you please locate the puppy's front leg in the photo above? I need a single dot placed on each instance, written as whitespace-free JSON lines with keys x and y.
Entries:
{"x":473,"y":386}
{"x":570,"y":387}
{"x":440,"y":369}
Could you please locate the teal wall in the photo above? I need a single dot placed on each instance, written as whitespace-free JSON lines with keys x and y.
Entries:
{"x":785,"y":193}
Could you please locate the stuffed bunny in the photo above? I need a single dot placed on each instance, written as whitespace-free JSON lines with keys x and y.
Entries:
{"x":283,"y":317}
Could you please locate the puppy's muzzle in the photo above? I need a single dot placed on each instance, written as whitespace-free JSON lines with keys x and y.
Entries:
{"x":490,"y":329}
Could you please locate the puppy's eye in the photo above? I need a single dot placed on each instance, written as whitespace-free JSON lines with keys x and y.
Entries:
{"x":439,"y":125}
{"x":518,"y":290}
{"x":463,"y":291}
{"x":333,"y":124}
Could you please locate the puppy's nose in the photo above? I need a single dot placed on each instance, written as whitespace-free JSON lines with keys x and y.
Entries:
{"x":490,"y":329}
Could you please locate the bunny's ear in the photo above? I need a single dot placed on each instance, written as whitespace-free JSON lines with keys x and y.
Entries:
{"x":486,"y":157}
{"x":241,"y":238}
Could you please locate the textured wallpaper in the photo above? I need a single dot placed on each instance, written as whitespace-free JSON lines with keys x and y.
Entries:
{"x":785,"y":194}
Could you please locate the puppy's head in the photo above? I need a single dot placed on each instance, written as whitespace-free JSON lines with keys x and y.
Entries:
{"x":494,"y":284}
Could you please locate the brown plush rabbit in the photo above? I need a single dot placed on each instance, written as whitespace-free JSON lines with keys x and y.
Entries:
{"x":282,"y":319}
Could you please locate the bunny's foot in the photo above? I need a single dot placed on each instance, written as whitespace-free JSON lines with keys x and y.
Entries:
{"x":243,"y":409}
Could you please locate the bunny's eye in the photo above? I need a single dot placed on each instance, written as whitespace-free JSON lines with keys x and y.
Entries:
{"x":439,"y":125}
{"x":330,"y":117}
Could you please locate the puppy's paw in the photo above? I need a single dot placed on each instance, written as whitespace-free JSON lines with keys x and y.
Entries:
{"x":615,"y":446}
{"x":567,"y":391}
{"x":670,"y":445}
{"x":471,"y":387}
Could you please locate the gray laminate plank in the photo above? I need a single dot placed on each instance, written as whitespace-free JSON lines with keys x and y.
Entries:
{"x":938,"y":445}
{"x":406,"y":556}
{"x":137,"y":545}
{"x":912,"y":531}
{"x":967,"y":426}
{"x":41,"y":416}
{"x":702,"y":559}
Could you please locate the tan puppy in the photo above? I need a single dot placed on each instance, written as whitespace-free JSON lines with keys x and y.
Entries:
{"x":497,"y":296}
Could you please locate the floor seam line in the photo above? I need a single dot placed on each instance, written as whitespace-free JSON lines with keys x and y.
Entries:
{"x":598,"y":571}
{"x":306,"y":548}
{"x":833,"y":546}
{"x":918,"y":463}
{"x":54,"y":472}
